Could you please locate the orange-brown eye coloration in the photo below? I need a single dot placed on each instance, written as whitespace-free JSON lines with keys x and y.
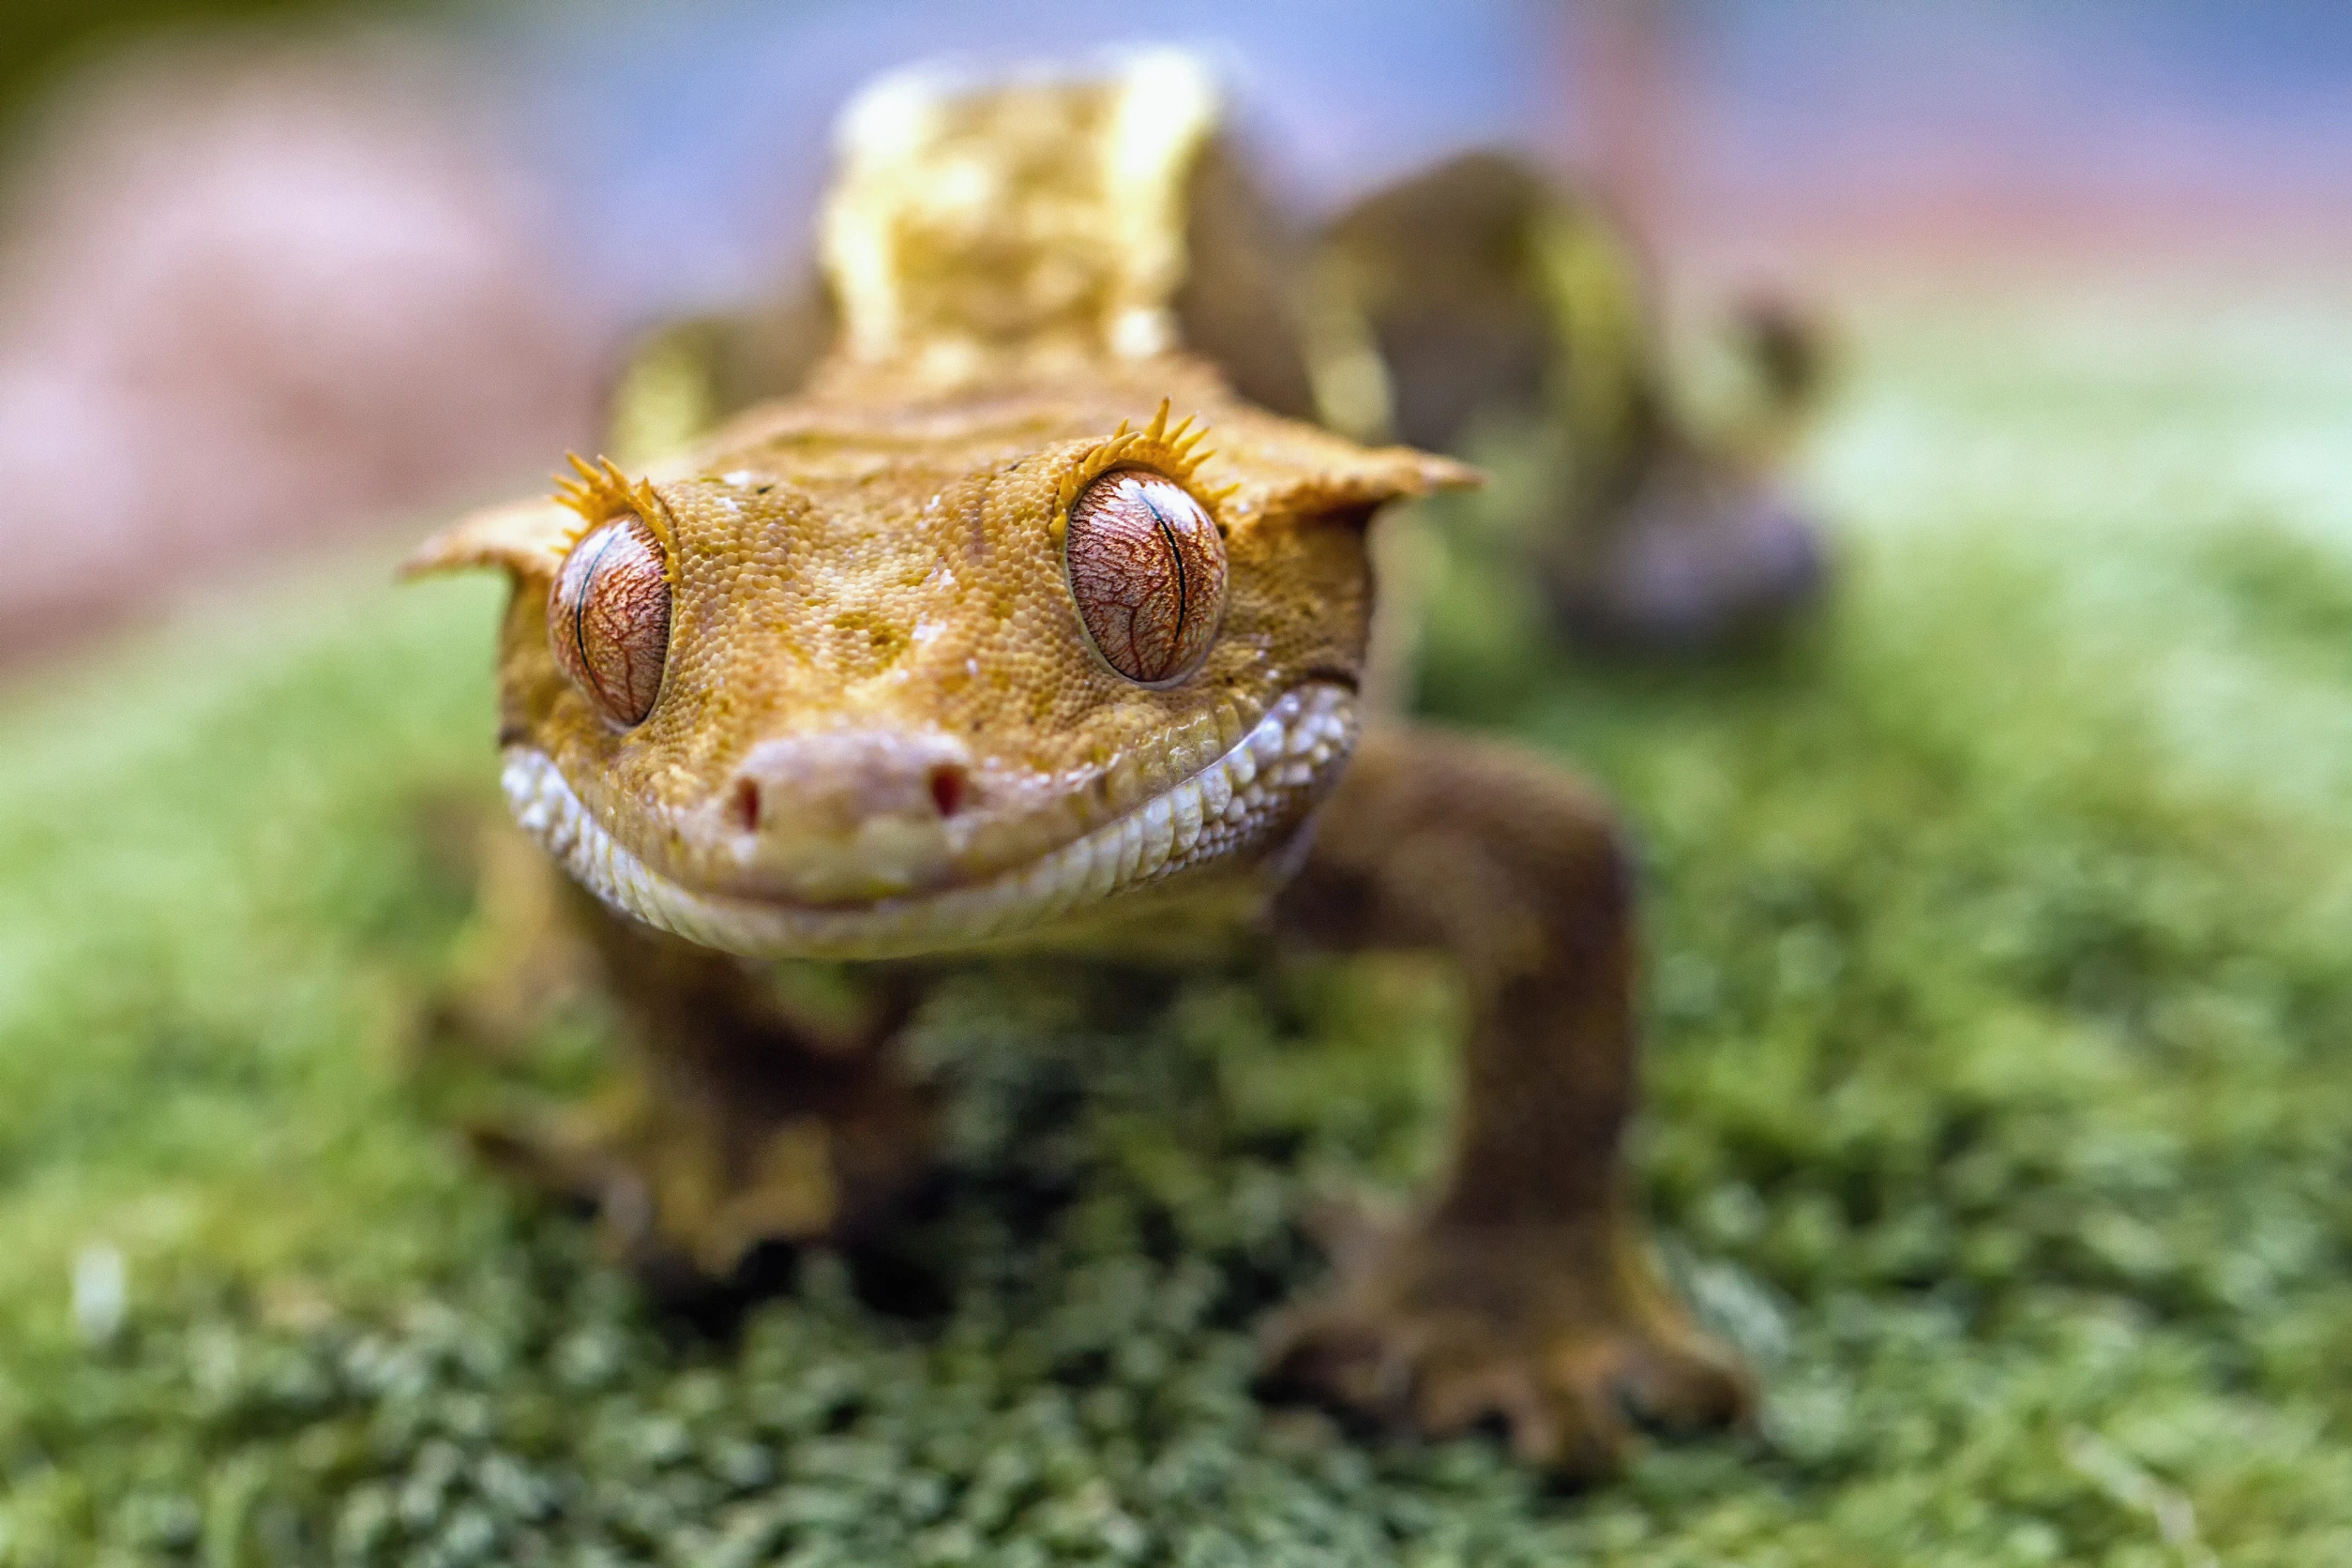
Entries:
{"x":609,"y":618}
{"x":1147,"y":571}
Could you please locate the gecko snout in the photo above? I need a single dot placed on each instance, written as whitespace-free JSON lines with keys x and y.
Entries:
{"x":848,"y":815}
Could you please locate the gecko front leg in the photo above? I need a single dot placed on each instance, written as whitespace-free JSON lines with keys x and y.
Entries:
{"x":736,"y":1113}
{"x":1521,"y":1292}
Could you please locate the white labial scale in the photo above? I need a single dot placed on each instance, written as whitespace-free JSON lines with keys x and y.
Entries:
{"x":1185,"y":803}
{"x":1266,"y":742}
{"x":1049,"y":886}
{"x":1216,"y":791}
{"x":1129,"y":850}
{"x":1102,"y":869}
{"x":1160,"y":833}
{"x":688,"y":925}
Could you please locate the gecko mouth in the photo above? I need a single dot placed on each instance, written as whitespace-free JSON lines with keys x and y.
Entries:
{"x":1244,"y":800}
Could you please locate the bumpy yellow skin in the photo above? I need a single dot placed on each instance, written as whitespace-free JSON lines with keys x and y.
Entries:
{"x":864,"y":560}
{"x":868,"y":596}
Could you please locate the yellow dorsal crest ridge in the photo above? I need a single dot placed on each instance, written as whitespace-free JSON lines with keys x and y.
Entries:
{"x":1031,"y":225}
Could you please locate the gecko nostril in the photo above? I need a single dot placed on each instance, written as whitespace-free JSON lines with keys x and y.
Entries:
{"x":747,"y":805}
{"x":948,"y":784}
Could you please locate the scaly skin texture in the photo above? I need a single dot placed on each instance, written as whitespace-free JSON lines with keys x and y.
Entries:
{"x":883,"y":735}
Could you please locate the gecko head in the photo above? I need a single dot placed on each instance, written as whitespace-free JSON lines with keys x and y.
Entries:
{"x":891,"y":672}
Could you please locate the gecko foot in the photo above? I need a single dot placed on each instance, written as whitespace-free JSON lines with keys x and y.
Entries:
{"x":685,"y":1192}
{"x":1560,"y":1334}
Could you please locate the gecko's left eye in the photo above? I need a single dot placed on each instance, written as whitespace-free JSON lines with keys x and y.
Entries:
{"x":609,"y":618}
{"x":1147,"y":569}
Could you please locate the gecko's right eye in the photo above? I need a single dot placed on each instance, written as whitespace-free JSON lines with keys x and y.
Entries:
{"x":609,"y":618}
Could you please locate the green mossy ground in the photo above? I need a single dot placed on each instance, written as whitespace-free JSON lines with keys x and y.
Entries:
{"x":2000,"y":1016}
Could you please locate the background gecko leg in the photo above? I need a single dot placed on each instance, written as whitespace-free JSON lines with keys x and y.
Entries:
{"x":1483,"y":290}
{"x":1521,"y":1292}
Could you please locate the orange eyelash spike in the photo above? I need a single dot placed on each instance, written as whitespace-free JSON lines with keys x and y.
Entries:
{"x":599,"y":491}
{"x":1175,"y":453}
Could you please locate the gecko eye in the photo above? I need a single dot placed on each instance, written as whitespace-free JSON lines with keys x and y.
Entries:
{"x":1147,"y":571}
{"x":609,"y":618}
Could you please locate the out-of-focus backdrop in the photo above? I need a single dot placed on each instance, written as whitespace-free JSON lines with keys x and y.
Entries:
{"x":1995,"y":914}
{"x":270,"y":273}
